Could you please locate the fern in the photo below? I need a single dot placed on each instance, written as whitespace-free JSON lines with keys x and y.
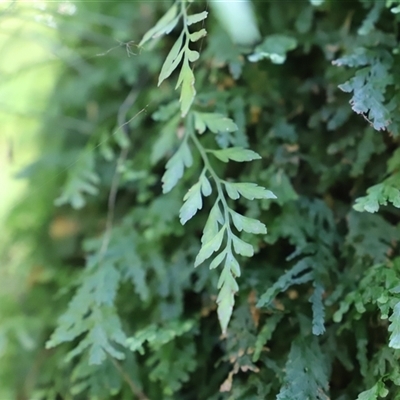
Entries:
{"x":302,"y":381}
{"x":180,"y":52}
{"x":218,"y":230}
{"x":92,"y":312}
{"x":82,"y":179}
{"x":258,"y":132}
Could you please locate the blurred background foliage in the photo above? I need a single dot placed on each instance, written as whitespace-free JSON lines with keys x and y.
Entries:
{"x":317,"y":315}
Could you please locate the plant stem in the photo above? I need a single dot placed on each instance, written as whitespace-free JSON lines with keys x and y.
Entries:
{"x":134,"y":389}
{"x":217,"y":180}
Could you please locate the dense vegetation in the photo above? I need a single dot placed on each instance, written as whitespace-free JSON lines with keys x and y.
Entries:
{"x":139,"y":264}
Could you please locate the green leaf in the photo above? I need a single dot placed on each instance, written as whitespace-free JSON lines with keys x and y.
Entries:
{"x":194,"y":18}
{"x":91,"y":315}
{"x":226,"y":275}
{"x":370,"y":235}
{"x":248,"y":190}
{"x":344,"y":307}
{"x":299,"y":273}
{"x":265,"y":334}
{"x":377,"y":195}
{"x":394,"y":328}
{"x":188,"y":91}
{"x":370,"y":144}
{"x":241,"y":247}
{"x":280,"y":185}
{"x":225,"y":301}
{"x":368,"y":87}
{"x":173,"y":59}
{"x":211,"y":227}
{"x":192,"y":55}
{"x":369,"y":22}
{"x":247,"y":224}
{"x":158,"y":336}
{"x":214,"y":122}
{"x":166,"y":112}
{"x":233,"y":265}
{"x":192,"y":203}
{"x":226,"y":297}
{"x":360,"y":57}
{"x":231,"y":191}
{"x":275,"y":48}
{"x":195,"y":36}
{"x":383,"y":391}
{"x":307,"y":374}
{"x":166,"y":141}
{"x":175,"y":167}
{"x":236,"y":154}
{"x":164,"y":26}
{"x":210,"y":247}
{"x":206,"y":188}
{"x":82,"y":179}
{"x":370,"y":394}
{"x":318,"y":309}
{"x":304,"y":20}
{"x":170,"y":373}
{"x":199,"y":123}
{"x":100,"y":346}
{"x":251,"y":191}
{"x":186,"y":155}
{"x":218,"y":259}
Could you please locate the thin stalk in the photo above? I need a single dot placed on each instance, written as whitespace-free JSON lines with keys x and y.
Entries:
{"x":217,"y":180}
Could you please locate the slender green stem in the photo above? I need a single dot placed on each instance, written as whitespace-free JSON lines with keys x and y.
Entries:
{"x":185,"y":27}
{"x":134,"y":389}
{"x":217,"y":180}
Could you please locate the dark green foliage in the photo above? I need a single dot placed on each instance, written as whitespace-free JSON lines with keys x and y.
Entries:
{"x":237,"y":238}
{"x":301,"y":381}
